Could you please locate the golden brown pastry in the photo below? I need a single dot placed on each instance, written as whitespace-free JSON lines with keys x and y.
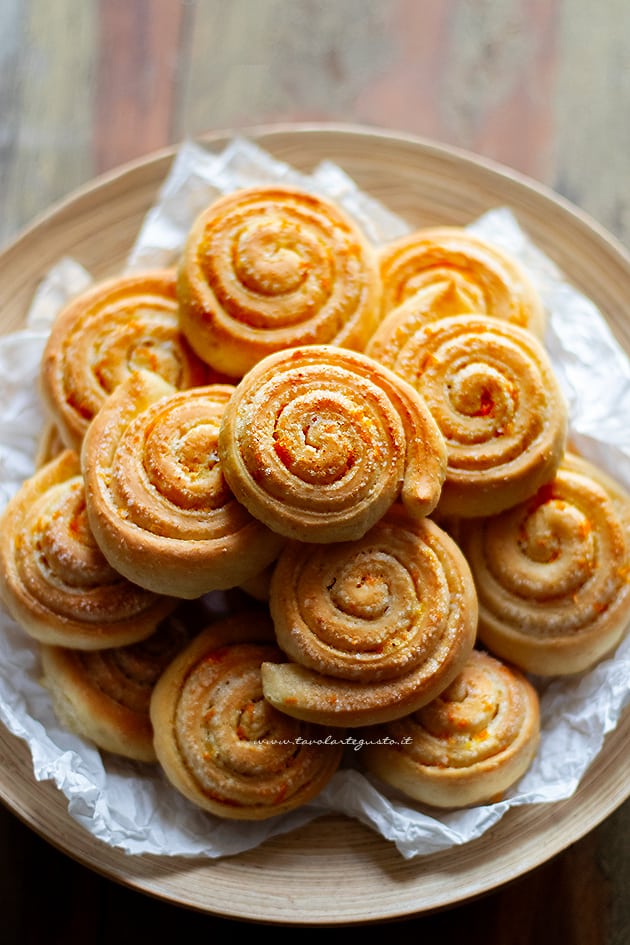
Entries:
{"x":273,"y":267}
{"x":104,"y":695}
{"x":552,"y":574}
{"x":258,"y":586}
{"x":220,"y":743}
{"x":318,"y":442}
{"x":54,"y":579}
{"x":467,"y":746}
{"x":157,"y":500}
{"x":462,"y":273}
{"x":50,"y":445}
{"x":373,"y":628}
{"x":491,"y":389}
{"x":115,"y":327}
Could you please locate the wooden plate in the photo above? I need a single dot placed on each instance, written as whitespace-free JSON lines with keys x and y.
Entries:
{"x":334,"y":870}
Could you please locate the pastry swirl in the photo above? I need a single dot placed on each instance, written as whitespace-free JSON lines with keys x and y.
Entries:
{"x":54,"y":579}
{"x":373,"y":628}
{"x":462,"y":273}
{"x":318,"y":442}
{"x":268,"y":268}
{"x":104,"y":695}
{"x":468,"y":745}
{"x":491,"y":389}
{"x":220,"y":743}
{"x":119,"y":325}
{"x":156,"y":496}
{"x":552,"y":574}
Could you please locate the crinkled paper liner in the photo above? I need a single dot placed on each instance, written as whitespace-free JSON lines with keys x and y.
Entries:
{"x":131,"y":806}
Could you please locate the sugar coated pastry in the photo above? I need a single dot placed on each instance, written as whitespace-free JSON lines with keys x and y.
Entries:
{"x":220,"y":743}
{"x":319,"y":441}
{"x":104,"y":695}
{"x":268,"y":268}
{"x":463,"y":273}
{"x":552,"y":574}
{"x":54,"y":579}
{"x":374,"y":628}
{"x":492,"y":391}
{"x":156,"y":497}
{"x":468,"y":746}
{"x":119,"y":325}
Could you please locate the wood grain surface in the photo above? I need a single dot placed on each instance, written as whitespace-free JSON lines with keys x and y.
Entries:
{"x":540,"y":85}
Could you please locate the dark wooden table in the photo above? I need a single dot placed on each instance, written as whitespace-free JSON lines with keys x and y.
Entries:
{"x":542,"y":86}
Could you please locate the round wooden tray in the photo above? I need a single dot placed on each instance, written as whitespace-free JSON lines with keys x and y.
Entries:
{"x":334,"y":870}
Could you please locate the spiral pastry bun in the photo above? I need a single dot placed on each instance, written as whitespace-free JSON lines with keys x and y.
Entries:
{"x":273,"y":267}
{"x":220,"y":743}
{"x":156,"y":497}
{"x":468,"y":746}
{"x":318,"y":442}
{"x":373,"y":628}
{"x":552,"y":574}
{"x":54,"y":580}
{"x":115,"y":327}
{"x":104,"y":695}
{"x":491,"y":389}
{"x":463,"y":273}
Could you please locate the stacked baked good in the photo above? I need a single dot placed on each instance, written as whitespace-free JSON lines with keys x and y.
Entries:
{"x":373,"y":443}
{"x":220,"y":742}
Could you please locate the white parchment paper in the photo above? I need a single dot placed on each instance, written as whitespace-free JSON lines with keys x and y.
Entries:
{"x":131,"y":806}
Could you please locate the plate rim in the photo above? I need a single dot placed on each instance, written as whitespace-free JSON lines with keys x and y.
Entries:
{"x":259,"y":133}
{"x":357,"y":130}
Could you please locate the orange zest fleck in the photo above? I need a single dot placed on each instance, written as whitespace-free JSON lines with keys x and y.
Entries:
{"x":215,"y":656}
{"x":74,"y":526}
{"x":282,"y":452}
{"x":486,"y":404}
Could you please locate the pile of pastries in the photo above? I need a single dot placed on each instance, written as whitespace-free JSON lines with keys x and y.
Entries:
{"x":365,"y":452}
